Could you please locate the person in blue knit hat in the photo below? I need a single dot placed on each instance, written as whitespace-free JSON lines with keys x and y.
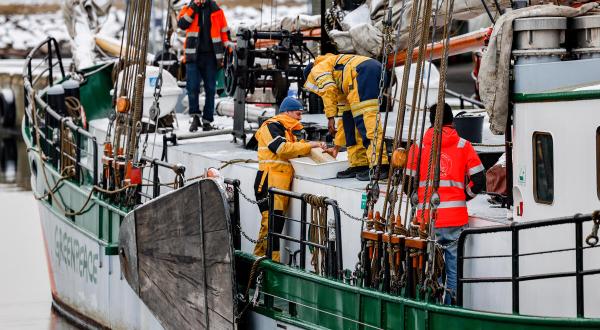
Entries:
{"x":276,"y":145}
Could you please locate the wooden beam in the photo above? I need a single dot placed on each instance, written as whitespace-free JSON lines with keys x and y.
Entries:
{"x":458,"y":45}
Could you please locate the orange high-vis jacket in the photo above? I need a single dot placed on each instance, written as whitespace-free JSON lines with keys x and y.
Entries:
{"x":219,"y":31}
{"x":458,"y":161}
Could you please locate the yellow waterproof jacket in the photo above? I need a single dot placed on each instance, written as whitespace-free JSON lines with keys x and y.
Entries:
{"x":276,"y":145}
{"x":332,"y":78}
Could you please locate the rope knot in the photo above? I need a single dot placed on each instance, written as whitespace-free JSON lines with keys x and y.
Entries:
{"x":314,"y":200}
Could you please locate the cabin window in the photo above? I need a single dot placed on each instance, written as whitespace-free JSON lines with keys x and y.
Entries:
{"x":543,"y":168}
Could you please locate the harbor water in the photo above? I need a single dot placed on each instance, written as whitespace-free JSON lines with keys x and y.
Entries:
{"x":25,"y":299}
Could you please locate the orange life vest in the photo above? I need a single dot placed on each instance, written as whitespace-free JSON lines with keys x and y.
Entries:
{"x":219,"y":31}
{"x":458,"y":161}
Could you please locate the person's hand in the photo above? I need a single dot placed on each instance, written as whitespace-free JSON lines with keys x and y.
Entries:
{"x":219,"y":63}
{"x":317,"y":144}
{"x":333,"y":151}
{"x":331,"y":125}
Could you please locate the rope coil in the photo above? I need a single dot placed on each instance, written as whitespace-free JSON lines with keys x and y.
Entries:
{"x":318,"y":229}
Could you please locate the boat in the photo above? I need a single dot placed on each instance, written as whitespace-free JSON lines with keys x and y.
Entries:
{"x":141,"y":231}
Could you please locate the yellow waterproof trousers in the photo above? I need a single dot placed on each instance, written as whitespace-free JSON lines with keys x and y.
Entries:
{"x":357,"y":154}
{"x":365,"y":124}
{"x":260,"y":249}
{"x":261,"y":187}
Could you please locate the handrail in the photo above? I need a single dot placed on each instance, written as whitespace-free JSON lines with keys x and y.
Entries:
{"x":463,"y":98}
{"x":515,"y":277}
{"x":178,"y":169}
{"x":51,"y":119}
{"x":49,"y":42}
{"x":334,"y":246}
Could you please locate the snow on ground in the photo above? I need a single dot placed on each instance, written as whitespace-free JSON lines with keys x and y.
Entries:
{"x":23,"y":32}
{"x":19,"y":33}
{"x":251,"y":16}
{"x":31,"y":2}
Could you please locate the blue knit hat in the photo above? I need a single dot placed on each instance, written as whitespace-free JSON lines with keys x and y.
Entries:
{"x":290,"y":104}
{"x":307,"y":69}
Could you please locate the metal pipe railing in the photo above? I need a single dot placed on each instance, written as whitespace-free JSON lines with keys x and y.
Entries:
{"x":333,"y":248}
{"x":515,"y":279}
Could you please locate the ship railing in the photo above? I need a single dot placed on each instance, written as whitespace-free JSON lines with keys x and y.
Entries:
{"x":70,"y":149}
{"x":332,"y":248}
{"x":48,"y":52}
{"x":462,"y":99}
{"x":155,"y":165}
{"x":516,"y":278}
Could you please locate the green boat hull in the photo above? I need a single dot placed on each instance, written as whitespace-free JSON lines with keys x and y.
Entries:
{"x":322,"y":303}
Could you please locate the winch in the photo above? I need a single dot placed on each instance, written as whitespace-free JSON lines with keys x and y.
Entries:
{"x":248,"y":68}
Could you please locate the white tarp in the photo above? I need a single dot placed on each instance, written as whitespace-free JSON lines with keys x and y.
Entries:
{"x":495,"y":64}
{"x":83,"y":19}
{"x":463,"y":10}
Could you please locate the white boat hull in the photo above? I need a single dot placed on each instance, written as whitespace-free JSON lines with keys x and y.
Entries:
{"x":86,"y":283}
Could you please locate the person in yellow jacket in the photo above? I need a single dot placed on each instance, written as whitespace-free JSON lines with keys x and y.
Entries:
{"x":346,"y":135}
{"x":276,"y":145}
{"x":357,"y":78}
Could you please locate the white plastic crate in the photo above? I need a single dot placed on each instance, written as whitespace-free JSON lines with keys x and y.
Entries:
{"x":307,"y":168}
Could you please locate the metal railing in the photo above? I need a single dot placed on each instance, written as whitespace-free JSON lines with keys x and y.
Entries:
{"x":63,"y":142}
{"x":516,"y":278}
{"x":462,"y":99}
{"x":333,"y":248}
{"x":155,"y":164}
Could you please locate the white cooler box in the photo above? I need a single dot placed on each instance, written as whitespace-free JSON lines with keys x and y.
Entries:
{"x":307,"y":168}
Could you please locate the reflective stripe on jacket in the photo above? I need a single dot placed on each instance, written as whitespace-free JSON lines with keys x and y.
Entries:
{"x":219,"y":31}
{"x":458,"y":161}
{"x":331,"y":76}
{"x":277,"y":144}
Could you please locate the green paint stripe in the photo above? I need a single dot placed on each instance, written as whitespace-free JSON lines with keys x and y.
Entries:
{"x":557,"y":96}
{"x":285,"y":281}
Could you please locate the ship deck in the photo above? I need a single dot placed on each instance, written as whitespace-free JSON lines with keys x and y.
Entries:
{"x":200,"y":153}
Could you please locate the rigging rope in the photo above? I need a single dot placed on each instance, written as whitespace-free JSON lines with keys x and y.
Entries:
{"x":317,"y":230}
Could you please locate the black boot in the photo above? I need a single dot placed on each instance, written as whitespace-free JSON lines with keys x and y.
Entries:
{"x":383,"y":173}
{"x":350,"y":172}
{"x":206,"y":126}
{"x":195,"y":123}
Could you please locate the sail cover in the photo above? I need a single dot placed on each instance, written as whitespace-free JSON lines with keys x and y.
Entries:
{"x":176,"y":254}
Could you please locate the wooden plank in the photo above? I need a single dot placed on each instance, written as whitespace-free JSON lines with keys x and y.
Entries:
{"x":184,"y":258}
{"x":128,"y":252}
{"x":220,"y":282}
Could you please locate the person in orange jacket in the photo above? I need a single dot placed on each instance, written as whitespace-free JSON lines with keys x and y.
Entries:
{"x":277,"y":144}
{"x":458,"y":161}
{"x":206,"y":41}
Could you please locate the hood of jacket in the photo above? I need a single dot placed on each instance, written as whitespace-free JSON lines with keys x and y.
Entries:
{"x":449,"y":136}
{"x":288,"y":122}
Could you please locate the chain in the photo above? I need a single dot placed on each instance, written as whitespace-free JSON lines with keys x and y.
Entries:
{"x":250,"y":239}
{"x":259,"y":280}
{"x":250,"y":200}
